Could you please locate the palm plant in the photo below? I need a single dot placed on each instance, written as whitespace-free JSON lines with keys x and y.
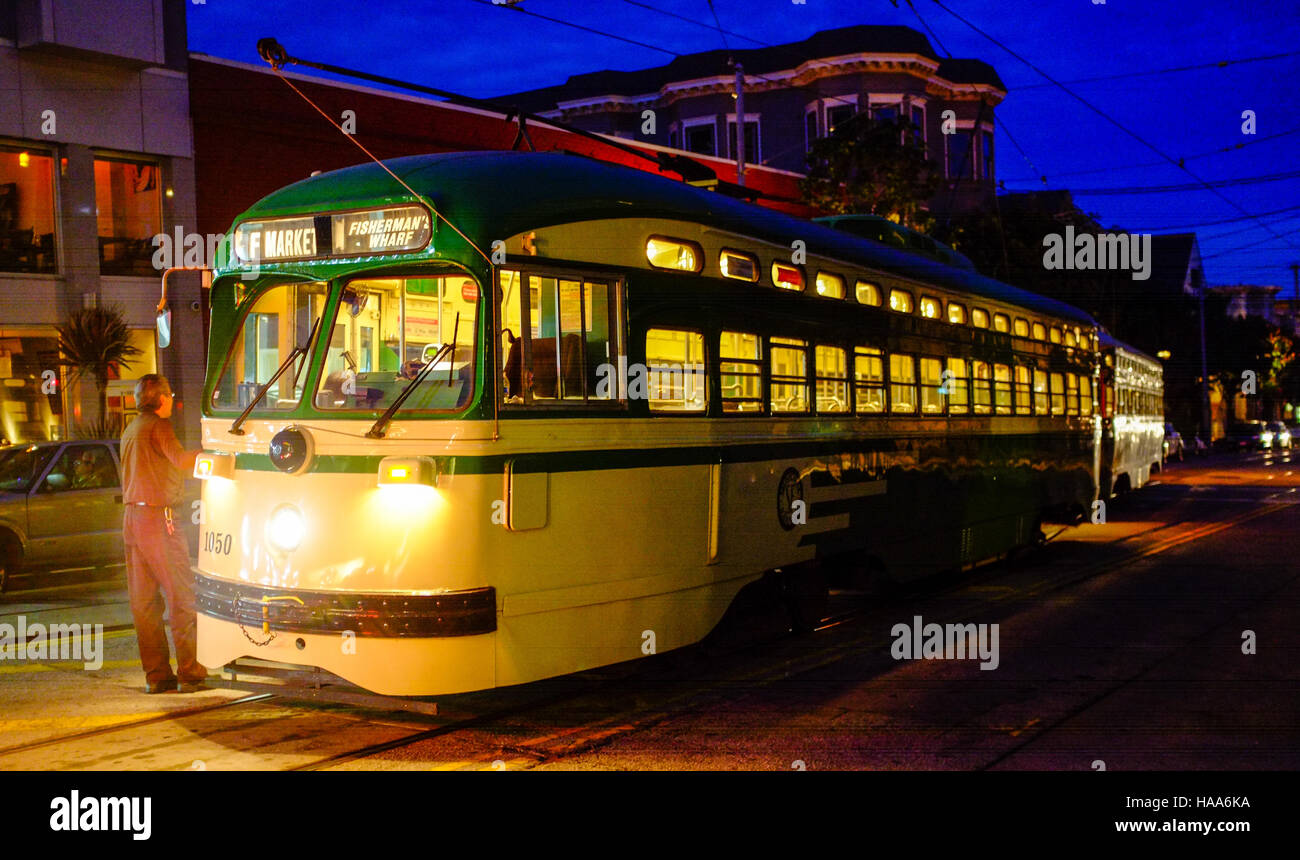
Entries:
{"x":90,"y":342}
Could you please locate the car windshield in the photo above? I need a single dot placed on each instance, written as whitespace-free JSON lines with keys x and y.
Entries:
{"x":387,"y":331}
{"x":19,"y":467}
{"x":279,"y":321}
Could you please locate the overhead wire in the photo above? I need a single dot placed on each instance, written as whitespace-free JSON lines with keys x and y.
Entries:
{"x":1176,"y":69}
{"x":1220,"y":151}
{"x":1103,"y":114}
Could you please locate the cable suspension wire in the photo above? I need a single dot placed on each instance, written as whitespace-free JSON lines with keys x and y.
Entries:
{"x":1177,"y":69}
{"x":1189,"y":186}
{"x":1139,"y":138}
{"x":1220,"y":151}
{"x":277,"y":69}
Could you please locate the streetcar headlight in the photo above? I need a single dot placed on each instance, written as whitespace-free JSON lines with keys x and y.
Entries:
{"x":216,"y":465}
{"x":1266,"y":437}
{"x":285,"y":528}
{"x":407,"y":471}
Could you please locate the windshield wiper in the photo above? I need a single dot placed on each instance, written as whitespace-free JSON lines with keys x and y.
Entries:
{"x":380,"y":426}
{"x":266,"y":386}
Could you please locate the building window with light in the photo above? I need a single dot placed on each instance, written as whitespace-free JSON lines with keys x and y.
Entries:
{"x":128,"y":201}
{"x":27,"y":232}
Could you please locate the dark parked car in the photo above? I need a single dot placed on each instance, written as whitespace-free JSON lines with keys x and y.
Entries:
{"x":61,"y":507}
{"x":1247,"y":436}
{"x":1173,"y":443}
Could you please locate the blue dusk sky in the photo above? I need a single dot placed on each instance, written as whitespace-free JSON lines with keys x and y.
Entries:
{"x":1178,"y":74}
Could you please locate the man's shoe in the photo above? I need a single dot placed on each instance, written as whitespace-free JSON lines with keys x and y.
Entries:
{"x":161,"y":686}
{"x":193,"y":686}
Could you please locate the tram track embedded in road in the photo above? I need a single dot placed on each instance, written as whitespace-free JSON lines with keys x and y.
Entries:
{"x":130,"y":724}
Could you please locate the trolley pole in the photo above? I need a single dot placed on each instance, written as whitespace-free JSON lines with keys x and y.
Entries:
{"x":740,"y":124}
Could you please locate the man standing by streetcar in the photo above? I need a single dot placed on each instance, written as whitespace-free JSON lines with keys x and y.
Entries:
{"x":154,"y":466}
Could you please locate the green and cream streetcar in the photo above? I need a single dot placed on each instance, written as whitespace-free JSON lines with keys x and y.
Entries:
{"x":521,"y":414}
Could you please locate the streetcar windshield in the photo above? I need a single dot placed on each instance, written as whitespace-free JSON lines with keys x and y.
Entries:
{"x":387,"y":331}
{"x":277,"y":323}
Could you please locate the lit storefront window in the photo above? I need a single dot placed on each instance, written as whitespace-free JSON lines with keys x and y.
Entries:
{"x":128,"y":202}
{"x":30,"y":402}
{"x":26,"y":211}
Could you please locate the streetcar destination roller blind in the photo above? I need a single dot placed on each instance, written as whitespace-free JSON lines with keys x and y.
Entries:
{"x":363,"y":233}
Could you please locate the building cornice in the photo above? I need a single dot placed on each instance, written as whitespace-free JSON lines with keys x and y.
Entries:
{"x":914,"y":65}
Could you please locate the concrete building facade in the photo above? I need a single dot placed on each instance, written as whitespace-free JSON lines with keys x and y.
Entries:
{"x":96,"y":159}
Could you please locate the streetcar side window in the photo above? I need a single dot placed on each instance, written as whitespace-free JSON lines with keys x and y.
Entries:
{"x":830,"y":285}
{"x":1041,"y":394}
{"x":832,"y":373}
{"x":932,"y":386}
{"x":902,"y":383}
{"x":956,"y":313}
{"x":1054,"y":333}
{"x":1058,"y":394}
{"x":958,"y":387}
{"x":740,"y":363}
{"x":982,"y":386}
{"x":1002,"y":389}
{"x":789,"y":374}
{"x":1001,"y":323}
{"x":869,"y":379}
{"x":979,"y":318}
{"x":930,"y":307}
{"x":1071,"y":394}
{"x":563,"y":343}
{"x":868,"y":293}
{"x":1023,"y":406}
{"x":1040,"y":331}
{"x":901,"y":301}
{"x":1021,"y":327}
{"x":674,"y":361}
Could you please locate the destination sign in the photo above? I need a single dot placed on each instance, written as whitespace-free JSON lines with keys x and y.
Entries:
{"x":347,"y":234}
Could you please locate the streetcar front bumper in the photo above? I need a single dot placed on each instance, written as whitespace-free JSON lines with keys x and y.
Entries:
{"x":392,"y":644}
{"x":466,"y":612}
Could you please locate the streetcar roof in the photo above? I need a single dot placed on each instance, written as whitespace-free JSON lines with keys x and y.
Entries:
{"x":494,"y":195}
{"x":1106,"y":340}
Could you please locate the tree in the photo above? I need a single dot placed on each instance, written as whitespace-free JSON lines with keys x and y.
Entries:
{"x":871,"y":166}
{"x":91,"y":341}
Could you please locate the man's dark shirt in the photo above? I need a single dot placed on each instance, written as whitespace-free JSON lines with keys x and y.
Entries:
{"x":154,"y":464}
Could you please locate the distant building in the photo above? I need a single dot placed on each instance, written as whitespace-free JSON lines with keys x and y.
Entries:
{"x":1249,"y":300}
{"x":1286,"y":312}
{"x":96,"y":159}
{"x":794,"y":94}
